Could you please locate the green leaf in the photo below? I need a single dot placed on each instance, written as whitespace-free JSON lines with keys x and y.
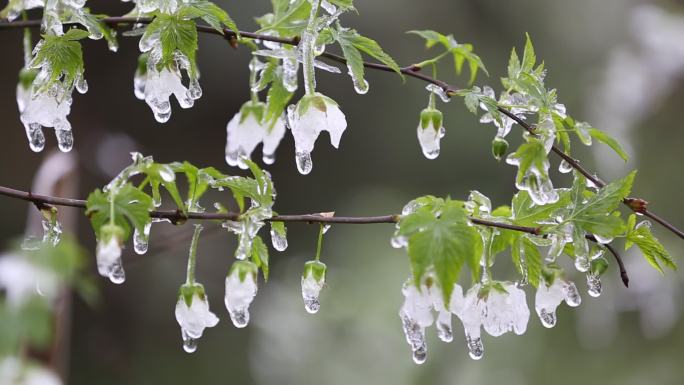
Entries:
{"x":278,"y":96}
{"x":131,"y":209}
{"x":176,"y":34}
{"x":529,"y":57}
{"x":604,"y":138}
{"x":63,"y":56}
{"x":533,"y":261}
{"x":654,"y":252}
{"x":260,"y":255}
{"x":445,"y":243}
{"x":459,"y":52}
{"x":211,"y":13}
{"x":532,"y":153}
{"x":604,"y":201}
{"x":289,"y":18}
{"x":349,"y":37}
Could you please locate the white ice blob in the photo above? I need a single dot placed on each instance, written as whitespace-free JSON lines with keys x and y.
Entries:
{"x":245,"y":132}
{"x":548,"y":298}
{"x":241,"y":288}
{"x":311,"y":116}
{"x":109,"y":260}
{"x":193,"y":319}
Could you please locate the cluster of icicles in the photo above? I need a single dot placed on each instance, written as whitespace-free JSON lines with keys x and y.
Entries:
{"x":498,"y":312}
{"x":43,"y":102}
{"x":498,"y":307}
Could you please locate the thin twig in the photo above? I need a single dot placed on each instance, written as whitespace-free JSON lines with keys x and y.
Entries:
{"x":411,"y":71}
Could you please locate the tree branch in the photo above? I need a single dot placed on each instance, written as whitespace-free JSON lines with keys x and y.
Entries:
{"x":411,"y":71}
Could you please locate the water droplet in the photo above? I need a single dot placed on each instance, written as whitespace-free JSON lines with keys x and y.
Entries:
{"x":240,"y":317}
{"x":571,"y":294}
{"x":141,"y":239}
{"x":547,"y":317}
{"x":304,"y":162}
{"x":420,"y":355}
{"x":189,"y":343}
{"x":399,"y":241}
{"x":117,"y":274}
{"x":312,"y":305}
{"x":268,"y":158}
{"x":81,"y":85}
{"x":279,"y":241}
{"x":51,"y":232}
{"x":34,"y":132}
{"x":439,"y":91}
{"x":475,"y":347}
{"x":582,"y":264}
{"x":65,"y":140}
{"x":594,"y":285}
{"x":564,"y":167}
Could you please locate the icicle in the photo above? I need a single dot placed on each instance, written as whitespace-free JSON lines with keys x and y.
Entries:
{"x":415,"y":317}
{"x":594,"y":284}
{"x":278,"y":240}
{"x":439,"y":91}
{"x":241,"y":288}
{"x":141,"y":239}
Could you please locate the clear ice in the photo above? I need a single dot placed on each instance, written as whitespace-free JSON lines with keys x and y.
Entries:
{"x":311,"y":289}
{"x":156,"y":86}
{"x":429,"y":139}
{"x":141,"y":240}
{"x":548,"y":298}
{"x":278,"y":240}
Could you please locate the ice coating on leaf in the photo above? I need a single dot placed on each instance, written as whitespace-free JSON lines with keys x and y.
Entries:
{"x":166,"y":6}
{"x":21,"y":279}
{"x":548,"y":298}
{"x":45,"y":104}
{"x":141,"y":239}
{"x":429,"y":139}
{"x":109,"y":260}
{"x":52,"y":232}
{"x":505,"y":312}
{"x":278,"y":240}
{"x":240,"y":292}
{"x":535,"y":181}
{"x":14,"y":8}
{"x":194,"y":319}
{"x":470,"y":315}
{"x":246,"y":229}
{"x":439,"y":91}
{"x":360,"y":84}
{"x":415,"y":316}
{"x":157,"y":85}
{"x":594,"y":286}
{"x":558,"y":241}
{"x":311,"y":289}
{"x":311,"y":116}
{"x":244,"y":133}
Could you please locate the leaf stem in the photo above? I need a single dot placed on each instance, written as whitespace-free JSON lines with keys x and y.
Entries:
{"x":308,"y":56}
{"x":320,"y":241}
{"x":192,"y":257}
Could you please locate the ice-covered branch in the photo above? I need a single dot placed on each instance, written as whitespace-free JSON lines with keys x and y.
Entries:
{"x":635,"y":204}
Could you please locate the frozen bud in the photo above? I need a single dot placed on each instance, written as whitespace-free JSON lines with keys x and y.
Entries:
{"x":247,"y":129}
{"x":241,"y":288}
{"x":416,"y":315}
{"x":504,"y":309}
{"x":311,"y":116}
{"x":193,"y":314}
{"x":499,"y":147}
{"x":430,"y":132}
{"x":313,"y":281}
{"x":109,"y":253}
{"x":548,"y":297}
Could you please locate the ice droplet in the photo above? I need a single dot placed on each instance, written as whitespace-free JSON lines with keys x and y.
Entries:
{"x":571,"y":294}
{"x":439,"y":91}
{"x":594,"y":285}
{"x":141,"y":239}
{"x":443,"y":324}
{"x":475,"y":347}
{"x":429,"y":139}
{"x":279,"y":241}
{"x":304,"y":162}
{"x":311,"y":290}
{"x":239,"y":295}
{"x":420,"y":355}
{"x":415,"y":336}
{"x":564,"y":167}
{"x":582,"y":264}
{"x":34,"y":132}
{"x":52,"y":233}
{"x":399,"y":241}
{"x":189,"y":343}
{"x":330,"y":8}
{"x":603,"y":240}
{"x":268,"y":158}
{"x":547,"y":317}
{"x":117,"y":274}
{"x":360,"y":84}
{"x":81,"y":85}
{"x":65,"y":140}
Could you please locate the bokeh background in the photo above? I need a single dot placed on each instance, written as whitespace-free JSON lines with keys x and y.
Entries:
{"x":616,"y":63}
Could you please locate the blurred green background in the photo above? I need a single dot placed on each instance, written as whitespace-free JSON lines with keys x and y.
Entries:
{"x":609,"y":60}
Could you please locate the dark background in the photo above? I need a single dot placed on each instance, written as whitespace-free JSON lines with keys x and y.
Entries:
{"x":132,"y":336}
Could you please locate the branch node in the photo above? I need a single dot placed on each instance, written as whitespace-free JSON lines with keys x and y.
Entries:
{"x":637,"y":205}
